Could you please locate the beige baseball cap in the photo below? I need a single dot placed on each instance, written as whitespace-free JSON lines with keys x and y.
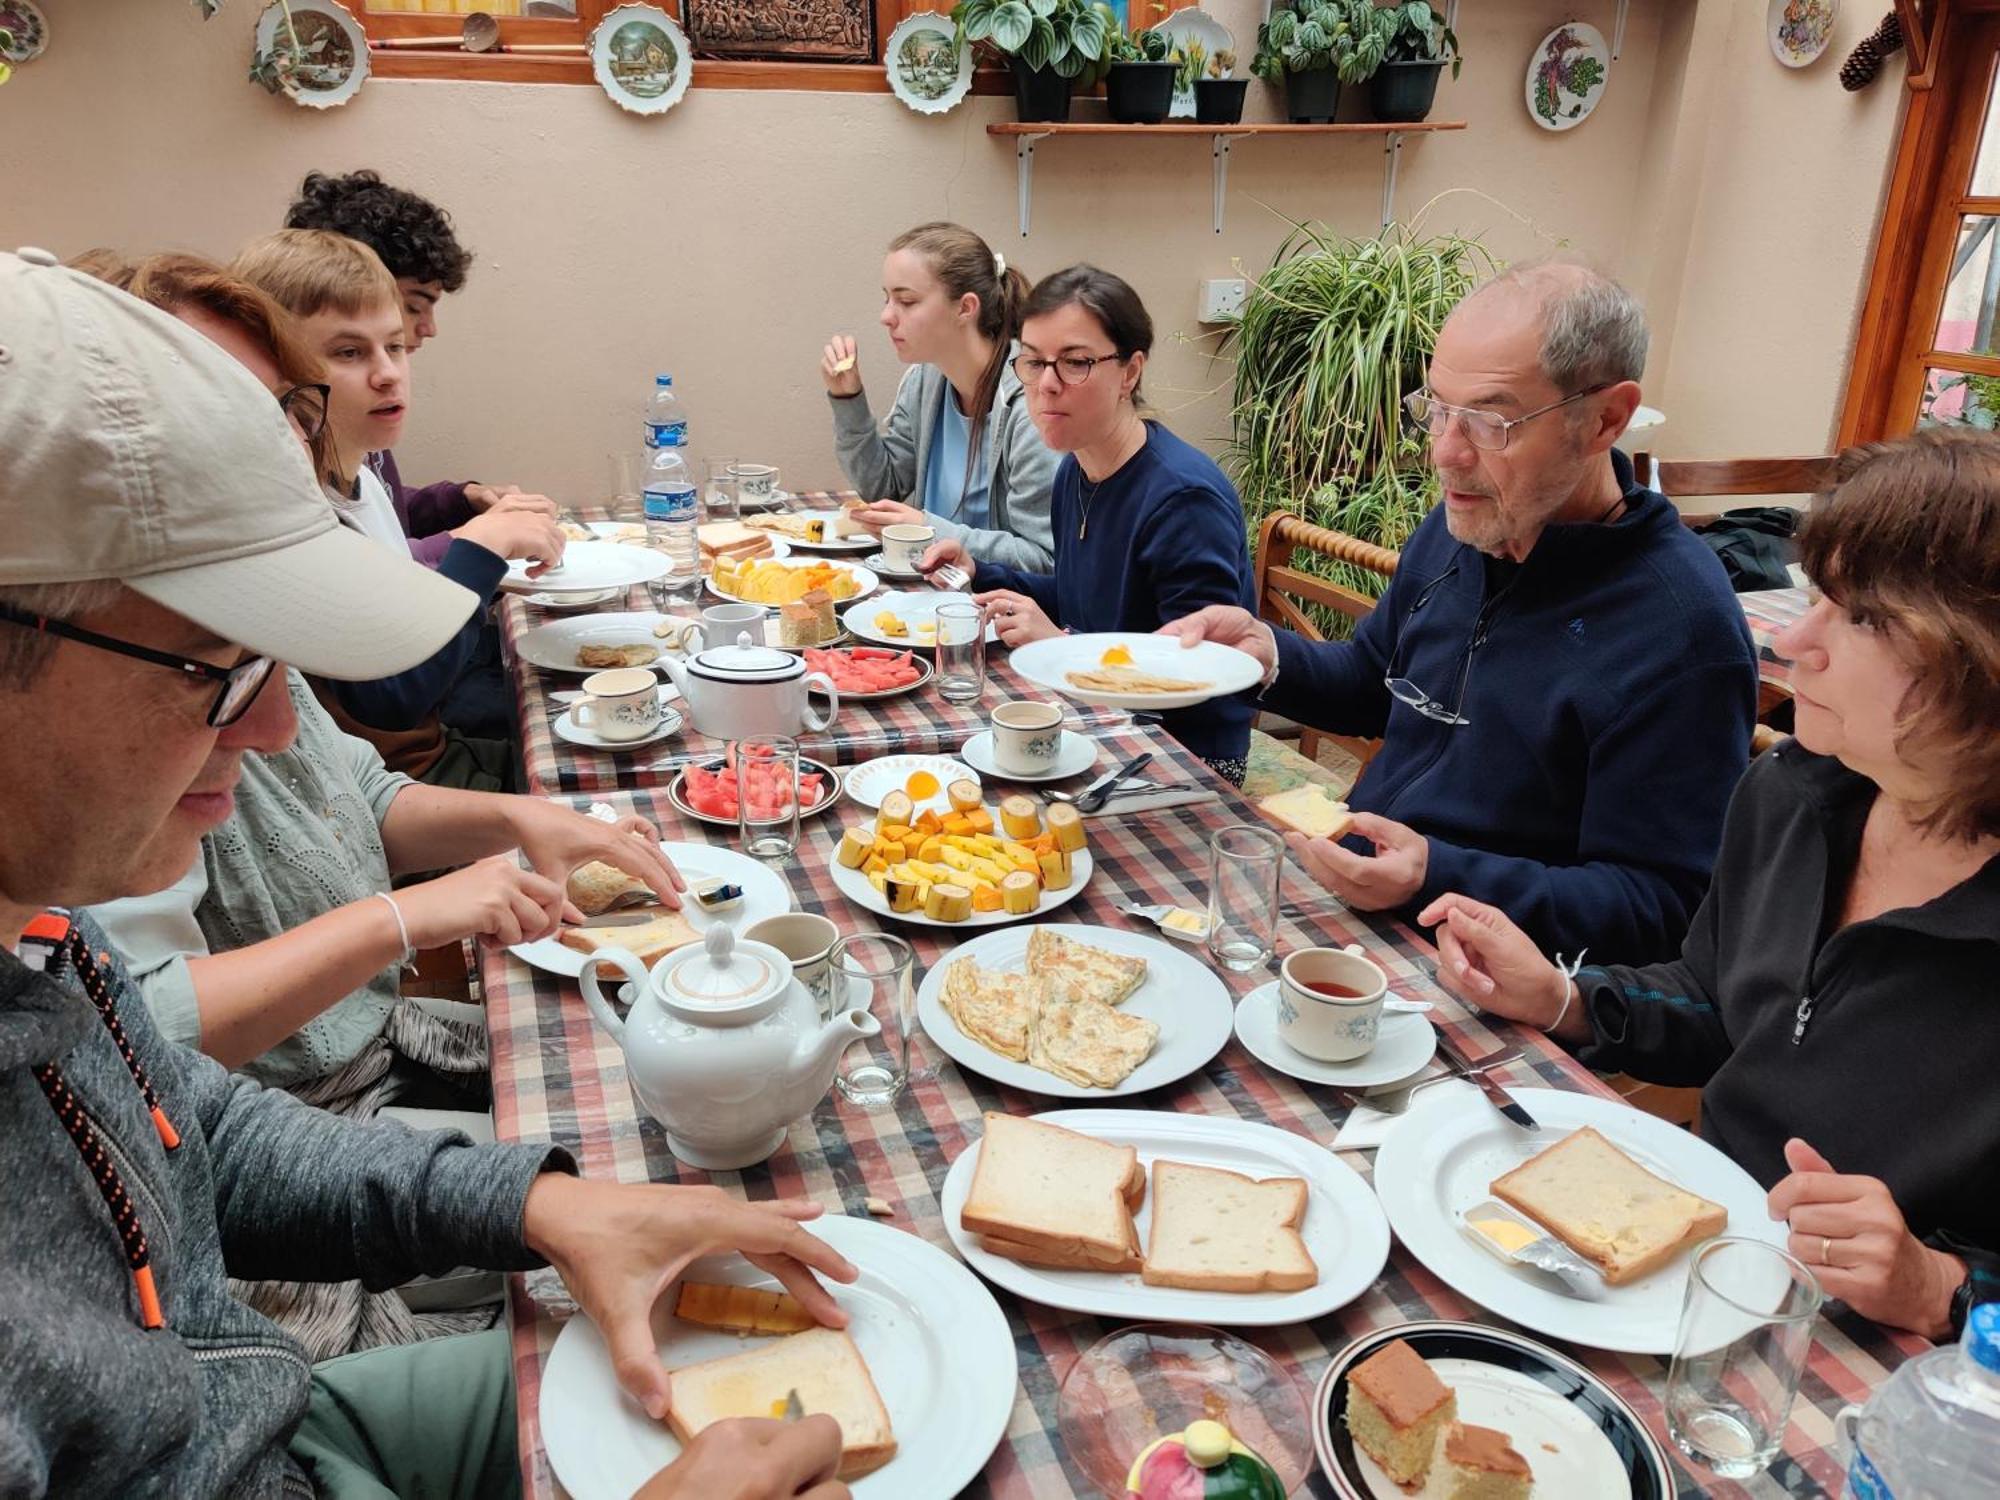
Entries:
{"x":132,"y":447}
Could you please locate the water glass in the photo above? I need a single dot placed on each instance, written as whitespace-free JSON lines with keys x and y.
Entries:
{"x":1243,"y":864}
{"x":876,"y":972}
{"x":961,"y":653}
{"x":626,"y":475}
{"x":719,"y":498}
{"x":776,"y":757}
{"x":1746,"y":1326}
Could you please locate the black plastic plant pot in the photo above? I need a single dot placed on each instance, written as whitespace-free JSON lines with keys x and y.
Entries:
{"x":1312,"y":98}
{"x":1403,"y":92}
{"x":1040,"y":94}
{"x":1219,"y":101}
{"x":1140,"y":93}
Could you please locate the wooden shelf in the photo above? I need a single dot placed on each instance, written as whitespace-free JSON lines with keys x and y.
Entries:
{"x":1027,"y":132}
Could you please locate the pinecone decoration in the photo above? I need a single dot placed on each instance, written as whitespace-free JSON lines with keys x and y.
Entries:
{"x":1865,"y":61}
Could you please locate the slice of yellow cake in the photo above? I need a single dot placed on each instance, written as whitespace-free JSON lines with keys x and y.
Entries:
{"x":1481,"y":1464}
{"x":1396,"y":1406}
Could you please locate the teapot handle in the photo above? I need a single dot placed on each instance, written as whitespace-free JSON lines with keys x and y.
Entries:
{"x":627,"y":964}
{"x":824,"y":684}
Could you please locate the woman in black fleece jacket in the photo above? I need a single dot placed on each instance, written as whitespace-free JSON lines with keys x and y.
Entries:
{"x":1835,"y":996}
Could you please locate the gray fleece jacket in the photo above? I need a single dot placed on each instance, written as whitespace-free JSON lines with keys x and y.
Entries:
{"x":889,"y":463}
{"x":92,"y":1402}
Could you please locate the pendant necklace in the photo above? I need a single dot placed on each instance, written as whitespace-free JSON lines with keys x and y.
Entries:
{"x":1087,"y":491}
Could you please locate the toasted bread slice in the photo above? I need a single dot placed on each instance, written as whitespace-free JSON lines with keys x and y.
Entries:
{"x":1217,"y":1231}
{"x":1311,"y":810}
{"x":1608,"y":1208}
{"x":1052,"y":1190}
{"x":647,"y":941}
{"x":822,"y":1365}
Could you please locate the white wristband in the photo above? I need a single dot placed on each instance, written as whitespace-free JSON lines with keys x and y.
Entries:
{"x":409,"y":958}
{"x":1569,"y":972}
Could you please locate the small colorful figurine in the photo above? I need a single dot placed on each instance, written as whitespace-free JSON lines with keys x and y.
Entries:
{"x":1203,"y":1463}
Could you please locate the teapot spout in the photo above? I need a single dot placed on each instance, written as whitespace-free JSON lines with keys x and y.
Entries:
{"x":819,"y":1054}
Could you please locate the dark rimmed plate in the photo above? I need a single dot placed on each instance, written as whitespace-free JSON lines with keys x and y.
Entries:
{"x":676,"y":793}
{"x":1577,"y":1434}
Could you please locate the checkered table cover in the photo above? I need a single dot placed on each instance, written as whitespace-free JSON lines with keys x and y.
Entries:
{"x":557,"y":1077}
{"x":1769,"y":611}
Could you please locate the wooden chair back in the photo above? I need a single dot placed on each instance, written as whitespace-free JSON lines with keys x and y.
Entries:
{"x":1675,"y":478}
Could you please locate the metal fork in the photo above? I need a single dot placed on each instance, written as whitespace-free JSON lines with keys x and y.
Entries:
{"x":950,"y":577}
{"x":1396,"y":1101}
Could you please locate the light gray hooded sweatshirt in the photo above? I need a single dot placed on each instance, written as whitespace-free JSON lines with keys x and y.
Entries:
{"x":889,"y":464}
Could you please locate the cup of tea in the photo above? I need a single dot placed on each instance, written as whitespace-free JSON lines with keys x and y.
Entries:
{"x":1330,"y":1002}
{"x":719,"y":625}
{"x":622,"y":704}
{"x":756,"y":484}
{"x":1027,"y":736}
{"x":807,"y":939}
{"x":903,"y":547}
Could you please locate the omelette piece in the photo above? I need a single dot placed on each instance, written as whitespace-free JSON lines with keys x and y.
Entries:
{"x":1090,"y":973}
{"x":996,"y":1010}
{"x":1086,"y":1043}
{"x":1132,"y":680}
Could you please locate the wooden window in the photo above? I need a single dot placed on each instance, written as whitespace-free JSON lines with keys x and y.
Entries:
{"x":1928,"y":348}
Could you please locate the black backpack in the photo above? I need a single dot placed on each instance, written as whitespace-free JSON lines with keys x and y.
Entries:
{"x":1755,"y":545}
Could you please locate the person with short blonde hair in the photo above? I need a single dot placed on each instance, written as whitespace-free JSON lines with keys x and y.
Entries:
{"x":1833,"y":998}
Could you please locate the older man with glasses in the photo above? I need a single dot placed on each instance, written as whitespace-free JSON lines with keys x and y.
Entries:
{"x":1561,"y":679}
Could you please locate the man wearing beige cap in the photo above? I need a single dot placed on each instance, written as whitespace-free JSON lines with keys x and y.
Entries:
{"x":166,"y":548}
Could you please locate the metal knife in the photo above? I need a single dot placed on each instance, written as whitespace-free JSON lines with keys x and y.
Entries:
{"x":618,"y":919}
{"x":794,"y":1408}
{"x":1503,"y":1101}
{"x":1094,"y":796}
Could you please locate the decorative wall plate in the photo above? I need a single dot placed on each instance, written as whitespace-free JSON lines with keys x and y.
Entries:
{"x":27,"y":26}
{"x":329,"y":50}
{"x":927,"y":68}
{"x":1800,"y":29}
{"x":1566,"y":76}
{"x":641,"y":58}
{"x":1195,"y":25}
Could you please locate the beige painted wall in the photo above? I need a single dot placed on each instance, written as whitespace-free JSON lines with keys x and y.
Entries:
{"x":725,"y":240}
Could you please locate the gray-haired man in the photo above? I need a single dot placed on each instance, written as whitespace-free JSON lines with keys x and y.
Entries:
{"x":1562,"y":681}
{"x":166,"y":547}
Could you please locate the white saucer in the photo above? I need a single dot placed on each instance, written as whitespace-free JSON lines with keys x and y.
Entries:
{"x":559,"y":604}
{"x":567,"y":728}
{"x":1407,"y":1042}
{"x":1077,"y":754}
{"x":878,"y":562}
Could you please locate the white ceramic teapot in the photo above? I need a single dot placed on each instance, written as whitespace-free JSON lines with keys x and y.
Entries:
{"x":737,"y":691}
{"x":723,"y":1046}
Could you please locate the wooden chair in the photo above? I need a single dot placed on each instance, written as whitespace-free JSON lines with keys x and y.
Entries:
{"x":1677,"y":478}
{"x":1282,"y":590}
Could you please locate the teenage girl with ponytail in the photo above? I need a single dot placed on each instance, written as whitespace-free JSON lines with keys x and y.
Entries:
{"x":958,"y":451}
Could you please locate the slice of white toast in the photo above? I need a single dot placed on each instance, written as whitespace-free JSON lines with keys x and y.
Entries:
{"x":1218,"y":1231}
{"x":822,"y":1365}
{"x":1054,"y":1196}
{"x":1608,"y":1208}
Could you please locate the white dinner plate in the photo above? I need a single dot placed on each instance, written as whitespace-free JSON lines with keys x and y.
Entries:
{"x":1222,"y":669}
{"x":765,"y":894}
{"x":553,"y":645}
{"x":865,"y":542}
{"x":937,"y":1346}
{"x":1180,"y":993}
{"x":871,"y":781}
{"x":1441,"y":1158}
{"x":1076,"y":754}
{"x":865,"y":581}
{"x":566,"y":728}
{"x":1577,"y":1434}
{"x":589,"y":566}
{"x":676,"y":793}
{"x":855,"y":887}
{"x":1406,"y":1043}
{"x":1344,"y":1230}
{"x":916,"y":608}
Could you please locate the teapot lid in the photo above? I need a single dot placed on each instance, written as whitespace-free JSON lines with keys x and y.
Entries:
{"x":744,"y":662}
{"x":721,"y":973}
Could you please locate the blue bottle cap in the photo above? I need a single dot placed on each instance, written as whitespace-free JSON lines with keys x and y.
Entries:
{"x":663,"y":380}
{"x":1982,"y":1336}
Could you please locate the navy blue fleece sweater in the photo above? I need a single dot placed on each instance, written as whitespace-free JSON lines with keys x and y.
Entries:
{"x":1609,"y":686}
{"x":409,"y":698}
{"x":1160,"y":538}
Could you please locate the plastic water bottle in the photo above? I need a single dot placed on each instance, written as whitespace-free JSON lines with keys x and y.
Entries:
{"x":1932,"y":1432}
{"x":666,"y":417}
{"x":673,"y":517}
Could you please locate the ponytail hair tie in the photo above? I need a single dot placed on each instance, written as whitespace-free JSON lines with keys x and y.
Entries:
{"x":999,"y":266}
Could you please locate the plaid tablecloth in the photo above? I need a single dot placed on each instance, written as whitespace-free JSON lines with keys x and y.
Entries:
{"x":1768,"y":612}
{"x":557,"y":1077}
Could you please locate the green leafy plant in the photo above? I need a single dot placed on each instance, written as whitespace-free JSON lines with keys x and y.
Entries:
{"x":1349,"y":36}
{"x":1136,"y":46}
{"x":1333,"y":336}
{"x":1066,"y":37}
{"x":1421,"y":35}
{"x":1980,"y":407}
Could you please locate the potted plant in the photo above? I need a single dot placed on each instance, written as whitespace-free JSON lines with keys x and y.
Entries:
{"x":1140,"y":85}
{"x":1047,"y":43}
{"x":1317,"y":45}
{"x":1218,"y":98}
{"x":1405,"y":86}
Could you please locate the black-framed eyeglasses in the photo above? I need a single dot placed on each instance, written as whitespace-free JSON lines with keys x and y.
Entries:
{"x":1428,"y":417}
{"x":305,"y":407}
{"x":1071,"y":369}
{"x":236,"y":689}
{"x":1407,"y":692}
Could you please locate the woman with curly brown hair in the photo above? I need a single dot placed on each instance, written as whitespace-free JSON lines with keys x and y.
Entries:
{"x":1834,"y":996}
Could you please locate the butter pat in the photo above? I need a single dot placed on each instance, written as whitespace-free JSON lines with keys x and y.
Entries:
{"x":1510,"y":1235}
{"x":1190,"y":926}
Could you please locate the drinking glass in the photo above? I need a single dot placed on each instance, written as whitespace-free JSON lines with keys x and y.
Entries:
{"x":627,"y":478}
{"x":1746,"y":1326}
{"x":874,"y":971}
{"x":961,"y":653}
{"x":776,"y":838}
{"x":1243,"y":864}
{"x":719,"y":498}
